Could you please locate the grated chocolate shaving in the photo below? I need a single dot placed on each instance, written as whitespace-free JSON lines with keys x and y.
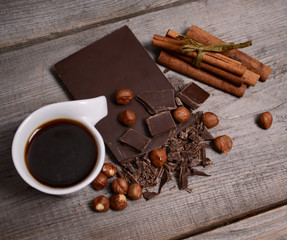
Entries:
{"x":185,"y":151}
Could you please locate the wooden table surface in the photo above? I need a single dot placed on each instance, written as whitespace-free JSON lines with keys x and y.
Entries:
{"x":245,"y":196}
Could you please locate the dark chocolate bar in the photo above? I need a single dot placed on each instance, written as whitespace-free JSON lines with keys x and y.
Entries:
{"x":193,"y":96}
{"x":116,"y":61}
{"x":135,"y":139}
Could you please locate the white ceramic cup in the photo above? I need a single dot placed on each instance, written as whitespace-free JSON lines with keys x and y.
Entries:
{"x":88,"y":112}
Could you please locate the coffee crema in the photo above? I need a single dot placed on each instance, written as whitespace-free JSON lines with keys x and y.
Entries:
{"x":61,"y":153}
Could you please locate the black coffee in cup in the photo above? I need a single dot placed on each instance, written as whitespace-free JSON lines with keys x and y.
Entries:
{"x":61,"y":153}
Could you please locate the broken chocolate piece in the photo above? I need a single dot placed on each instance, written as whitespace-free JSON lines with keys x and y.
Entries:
{"x":198,"y":172}
{"x":164,"y":179}
{"x":157,"y":101}
{"x":183,"y":178}
{"x":206,"y":135}
{"x":161,"y":122}
{"x":149,"y":195}
{"x":135,"y":139}
{"x":193,"y":96}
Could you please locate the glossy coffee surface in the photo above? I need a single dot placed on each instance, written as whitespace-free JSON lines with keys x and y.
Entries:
{"x":61,"y":153}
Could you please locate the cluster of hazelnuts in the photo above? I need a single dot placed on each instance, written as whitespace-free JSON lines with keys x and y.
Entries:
{"x":119,"y":186}
{"x":224,"y":143}
{"x":122,"y":97}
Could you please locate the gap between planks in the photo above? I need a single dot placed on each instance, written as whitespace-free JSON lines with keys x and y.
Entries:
{"x":70,"y":31}
{"x":235,"y":219}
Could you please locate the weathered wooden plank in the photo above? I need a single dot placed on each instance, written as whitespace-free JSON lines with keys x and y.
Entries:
{"x":251,"y":176}
{"x":23,"y":23}
{"x":265,"y":226}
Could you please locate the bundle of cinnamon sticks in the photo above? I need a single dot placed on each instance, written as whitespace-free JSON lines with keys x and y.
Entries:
{"x":231,"y":71}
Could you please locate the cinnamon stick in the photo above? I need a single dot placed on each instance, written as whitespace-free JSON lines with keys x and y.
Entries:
{"x":250,"y":77}
{"x":235,"y":80}
{"x":251,"y":63}
{"x":174,"y":46}
{"x":180,"y":66}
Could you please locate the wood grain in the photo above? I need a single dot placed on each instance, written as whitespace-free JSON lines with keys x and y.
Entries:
{"x":253,"y":175}
{"x":28,"y":22}
{"x":269,"y":225}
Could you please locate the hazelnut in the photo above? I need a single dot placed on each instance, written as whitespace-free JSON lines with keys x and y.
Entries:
{"x":109,"y":170}
{"x":223,"y":143}
{"x":118,"y":202}
{"x":210,"y":120}
{"x":158,"y":157}
{"x":135,"y":191}
{"x":100,"y":181}
{"x":123,"y":96}
{"x":101,"y":204}
{"x":120,"y":185}
{"x":128,"y":117}
{"x":265,"y":120}
{"x":181,"y":114}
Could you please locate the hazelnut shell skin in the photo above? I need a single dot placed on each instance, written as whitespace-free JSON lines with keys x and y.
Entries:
{"x":109,"y":170}
{"x":135,"y":191}
{"x":120,"y":185}
{"x":210,"y":120}
{"x":101,"y":204}
{"x":100,"y":181}
{"x":181,"y":114}
{"x":128,"y":118}
{"x":123,"y":96}
{"x":158,"y":157}
{"x":118,"y":202}
{"x":265,"y":120}
{"x":223,"y":143}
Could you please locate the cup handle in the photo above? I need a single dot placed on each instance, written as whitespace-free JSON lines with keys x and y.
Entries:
{"x":94,"y":109}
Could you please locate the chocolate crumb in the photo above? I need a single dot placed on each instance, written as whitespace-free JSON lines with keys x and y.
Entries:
{"x":189,"y":190}
{"x":207,"y":162}
{"x":172,"y":188}
{"x":178,"y":102}
{"x":149,"y":195}
{"x":198,"y":172}
{"x":166,"y":70}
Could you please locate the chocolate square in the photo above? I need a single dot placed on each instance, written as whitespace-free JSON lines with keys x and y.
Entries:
{"x":157,"y":101}
{"x":116,"y":61}
{"x":193,"y":96}
{"x":160,"y":123}
{"x":135,"y":139}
